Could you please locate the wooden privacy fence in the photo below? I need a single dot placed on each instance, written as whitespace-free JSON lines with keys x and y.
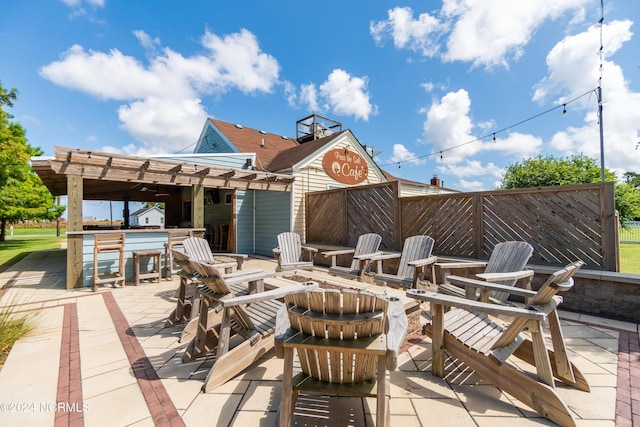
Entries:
{"x":563,"y":223}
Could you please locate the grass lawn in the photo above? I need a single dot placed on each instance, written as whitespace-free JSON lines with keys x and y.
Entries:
{"x":13,"y":249}
{"x":630,"y":258}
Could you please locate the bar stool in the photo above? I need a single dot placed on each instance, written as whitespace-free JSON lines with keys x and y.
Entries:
{"x":153,"y":273}
{"x":174,"y":240}
{"x":108,"y":242}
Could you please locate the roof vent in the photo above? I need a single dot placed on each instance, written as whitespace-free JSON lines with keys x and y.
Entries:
{"x":238,"y":126}
{"x":263,"y":132}
{"x":284,"y":137}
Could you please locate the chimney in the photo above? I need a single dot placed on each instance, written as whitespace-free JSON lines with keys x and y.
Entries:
{"x":435,"y":181}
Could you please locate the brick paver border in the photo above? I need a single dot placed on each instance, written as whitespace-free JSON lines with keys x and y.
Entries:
{"x":628,"y":385}
{"x":69,"y":411}
{"x":163,"y":411}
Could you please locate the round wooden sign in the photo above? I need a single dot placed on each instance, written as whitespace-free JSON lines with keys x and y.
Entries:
{"x":345,"y":166}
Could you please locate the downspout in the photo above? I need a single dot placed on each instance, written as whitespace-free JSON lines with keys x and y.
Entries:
{"x":253,"y":244}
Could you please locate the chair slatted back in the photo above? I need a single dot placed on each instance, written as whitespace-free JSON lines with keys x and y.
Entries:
{"x":183,"y":262}
{"x":367,"y":244}
{"x":335,"y":315}
{"x":177,"y":237}
{"x":198,"y":249}
{"x":508,"y":257}
{"x":211,"y":277}
{"x":290,"y":248}
{"x":109,"y":242}
{"x":559,"y":281}
{"x":415,"y":247}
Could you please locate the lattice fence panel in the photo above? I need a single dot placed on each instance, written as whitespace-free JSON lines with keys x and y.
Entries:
{"x":371,"y":210}
{"x":326,"y":218}
{"x":562,"y":226}
{"x":449,"y":220}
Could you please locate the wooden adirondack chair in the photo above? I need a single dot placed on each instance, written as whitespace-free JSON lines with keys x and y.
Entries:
{"x":251,"y":318}
{"x":346,"y":341}
{"x":174,"y":241}
{"x":290,"y":251}
{"x":212,"y":286}
{"x":484,"y":344}
{"x":505,"y":267}
{"x":367,"y":247}
{"x":198,"y":249}
{"x":416,"y":255}
{"x":188,"y":296}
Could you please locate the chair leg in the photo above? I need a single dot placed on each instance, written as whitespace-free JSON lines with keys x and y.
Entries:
{"x":286,"y":400}
{"x":383,"y":415}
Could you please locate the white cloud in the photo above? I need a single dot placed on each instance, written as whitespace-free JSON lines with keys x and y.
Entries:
{"x":448,"y":124}
{"x":449,"y":128}
{"x":348,"y":95}
{"x":149,"y":43}
{"x":419,"y":34}
{"x":490,"y":175}
{"x":401,"y":154}
{"x":309,"y":96}
{"x":486,"y":33}
{"x":517,"y":145}
{"x":621,"y":106}
{"x":163,"y":107}
{"x":342,"y":94}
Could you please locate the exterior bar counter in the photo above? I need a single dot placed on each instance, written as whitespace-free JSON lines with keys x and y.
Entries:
{"x":135,"y":240}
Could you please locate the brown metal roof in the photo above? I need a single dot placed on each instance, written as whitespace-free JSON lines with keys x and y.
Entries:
{"x":286,"y":159}
{"x":248,"y":140}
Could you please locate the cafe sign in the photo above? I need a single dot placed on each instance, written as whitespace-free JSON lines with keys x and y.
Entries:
{"x":345,"y":166}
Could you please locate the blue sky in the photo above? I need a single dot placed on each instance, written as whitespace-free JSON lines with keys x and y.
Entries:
{"x":428,"y":83}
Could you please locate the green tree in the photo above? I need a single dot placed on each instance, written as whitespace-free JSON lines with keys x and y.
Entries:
{"x":22,"y":194}
{"x":548,"y":170}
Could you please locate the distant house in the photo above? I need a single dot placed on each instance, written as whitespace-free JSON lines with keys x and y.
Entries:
{"x":147,"y":217}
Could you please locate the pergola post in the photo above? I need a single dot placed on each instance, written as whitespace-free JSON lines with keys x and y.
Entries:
{"x":74,"y":223}
{"x":197,"y":206}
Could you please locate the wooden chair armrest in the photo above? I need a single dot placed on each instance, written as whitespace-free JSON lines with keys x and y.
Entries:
{"x":230,"y":255}
{"x":461,"y":264}
{"x":251,"y":277}
{"x":424,"y":261}
{"x":276,"y":251}
{"x":471,"y":305}
{"x":309,"y":249}
{"x":241,"y":273}
{"x":339,"y":252}
{"x":481,"y":284}
{"x":269,"y":295}
{"x":490,"y":277}
{"x":385,"y":255}
{"x":367,"y":256}
{"x":396,"y":330}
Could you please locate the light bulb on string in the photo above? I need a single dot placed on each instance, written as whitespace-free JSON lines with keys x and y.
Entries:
{"x":398,"y":165}
{"x":564,"y":110}
{"x":441,"y":155}
{"x":494,"y":137}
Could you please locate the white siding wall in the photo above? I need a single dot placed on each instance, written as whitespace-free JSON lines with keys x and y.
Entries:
{"x":314,"y":178}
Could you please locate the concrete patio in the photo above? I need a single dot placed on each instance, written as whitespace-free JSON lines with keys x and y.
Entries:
{"x":105,"y":358}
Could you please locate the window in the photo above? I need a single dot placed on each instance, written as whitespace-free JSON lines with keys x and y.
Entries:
{"x":146,"y":220}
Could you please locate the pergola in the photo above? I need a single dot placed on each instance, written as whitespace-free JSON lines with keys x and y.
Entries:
{"x":91,"y":175}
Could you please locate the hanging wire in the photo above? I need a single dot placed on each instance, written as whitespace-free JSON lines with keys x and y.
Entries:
{"x":494,"y":133}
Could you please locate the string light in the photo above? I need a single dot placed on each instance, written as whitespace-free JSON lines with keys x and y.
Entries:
{"x":563,"y":106}
{"x":494,"y":137}
{"x":564,"y":110}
